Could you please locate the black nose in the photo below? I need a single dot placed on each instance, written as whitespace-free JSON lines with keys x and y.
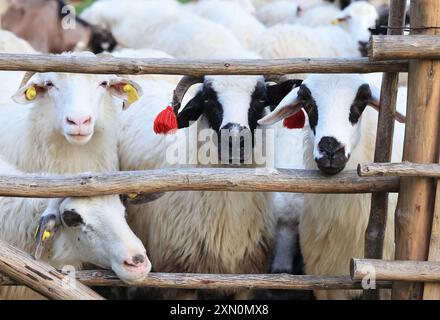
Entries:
{"x":333,"y":158}
{"x":139,"y":259}
{"x":363,"y":48}
{"x":236,"y":140}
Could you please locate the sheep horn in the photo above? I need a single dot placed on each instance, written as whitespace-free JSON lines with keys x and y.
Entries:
{"x":182,"y":88}
{"x":26,"y":78}
{"x":278,"y":79}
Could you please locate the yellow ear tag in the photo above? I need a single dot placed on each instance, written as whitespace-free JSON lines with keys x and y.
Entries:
{"x":36,"y":232}
{"x":335,"y":22}
{"x":31,"y":93}
{"x":132,"y":93}
{"x":46,"y":235}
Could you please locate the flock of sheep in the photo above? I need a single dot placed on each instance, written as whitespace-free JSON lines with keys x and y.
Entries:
{"x":59,"y":123}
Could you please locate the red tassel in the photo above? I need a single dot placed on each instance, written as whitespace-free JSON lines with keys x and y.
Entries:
{"x":166,"y":122}
{"x":297,"y":121}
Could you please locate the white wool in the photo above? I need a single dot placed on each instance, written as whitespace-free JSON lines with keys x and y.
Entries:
{"x":294,"y":41}
{"x":246,"y":5}
{"x":10,"y":43}
{"x":164,"y":26}
{"x":305,"y":4}
{"x":147,"y":53}
{"x":279,"y":12}
{"x":232,"y":16}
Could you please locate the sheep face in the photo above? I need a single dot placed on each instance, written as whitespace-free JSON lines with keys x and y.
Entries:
{"x":76,"y":104}
{"x":95,"y":231}
{"x":334,"y":105}
{"x":231,"y":107}
{"x":358,"y":19}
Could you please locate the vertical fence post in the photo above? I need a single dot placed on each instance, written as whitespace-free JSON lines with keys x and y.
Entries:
{"x":432,"y":290}
{"x":375,"y":233}
{"x":416,"y":198}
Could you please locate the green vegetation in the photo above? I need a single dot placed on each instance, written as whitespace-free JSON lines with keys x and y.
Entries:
{"x":83,"y":5}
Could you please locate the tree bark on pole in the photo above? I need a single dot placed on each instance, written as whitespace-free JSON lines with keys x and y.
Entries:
{"x":375,"y":233}
{"x":415,"y":207}
{"x":432,"y":290}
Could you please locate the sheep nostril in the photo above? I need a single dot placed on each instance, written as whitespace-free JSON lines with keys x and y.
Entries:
{"x":79,"y":121}
{"x":139,"y":259}
{"x":87,"y":120}
{"x":70,"y":121}
{"x":135,"y":261}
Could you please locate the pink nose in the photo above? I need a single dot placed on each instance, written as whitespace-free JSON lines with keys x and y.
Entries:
{"x":79,"y":122}
{"x":136,"y":261}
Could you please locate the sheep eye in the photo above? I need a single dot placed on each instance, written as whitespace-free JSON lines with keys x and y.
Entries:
{"x":104,"y":84}
{"x":72,"y":219}
{"x":49,"y":84}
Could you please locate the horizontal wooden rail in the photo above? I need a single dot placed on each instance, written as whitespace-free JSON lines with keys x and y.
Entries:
{"x":110,"y":65}
{"x":407,"y":271}
{"x":103,"y":278}
{"x":404,"y":47}
{"x":405,"y":169}
{"x":41,"y":277}
{"x":166,"y":180}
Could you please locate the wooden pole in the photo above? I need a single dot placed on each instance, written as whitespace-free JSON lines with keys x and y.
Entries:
{"x":415,"y":207}
{"x":39,"y":276}
{"x":101,"y":278}
{"x":187,"y":179}
{"x":404,"y":47}
{"x":432,"y":291}
{"x":420,"y":271}
{"x":405,"y":169}
{"x":375,"y":232}
{"x":110,"y":65}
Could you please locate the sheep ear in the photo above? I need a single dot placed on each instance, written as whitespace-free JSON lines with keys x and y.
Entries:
{"x":289,"y":106}
{"x":276,"y":93}
{"x":374,"y":102}
{"x":341,"y":19}
{"x":191,"y":112}
{"x":30,"y":92}
{"x":125,"y":89}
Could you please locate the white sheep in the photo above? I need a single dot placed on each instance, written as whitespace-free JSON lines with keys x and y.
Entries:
{"x":231,"y":15}
{"x":357,"y":19}
{"x":332,"y":227}
{"x":10,"y":43}
{"x":279,"y":12}
{"x":304,"y":4}
{"x":166,"y":26}
{"x":245,"y":4}
{"x":294,"y":41}
{"x":207,"y":232}
{"x":90,"y":230}
{"x":63,"y":123}
{"x":147,"y":53}
{"x":347,"y":39}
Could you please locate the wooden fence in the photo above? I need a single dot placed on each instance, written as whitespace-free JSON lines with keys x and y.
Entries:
{"x":417,"y":214}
